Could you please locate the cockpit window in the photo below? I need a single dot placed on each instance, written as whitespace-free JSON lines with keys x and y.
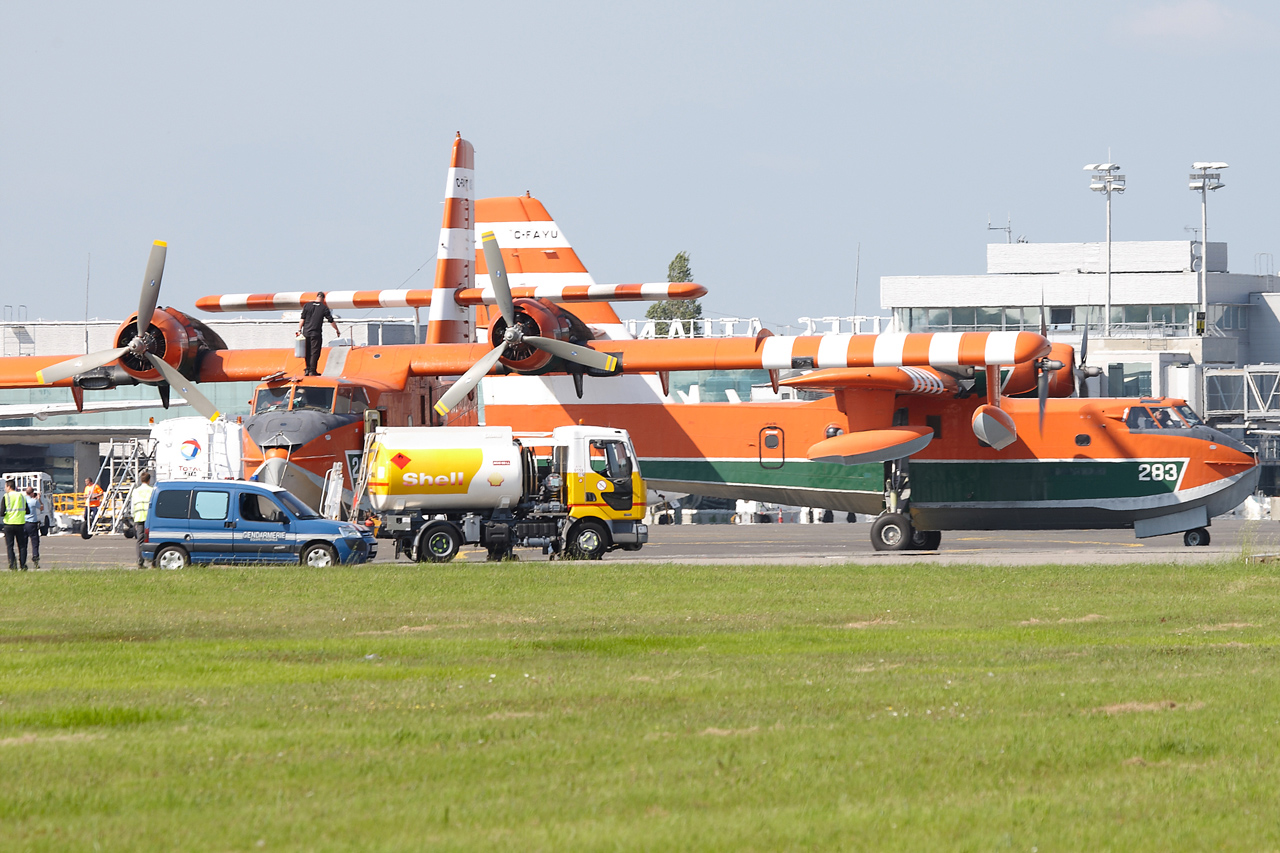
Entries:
{"x":1190,"y":416}
{"x":1140,"y":418}
{"x":1167,"y":419}
{"x":350,"y":401}
{"x":315,"y":399}
{"x":271,"y":399}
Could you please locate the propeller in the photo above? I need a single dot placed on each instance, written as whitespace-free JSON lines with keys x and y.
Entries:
{"x":1084,"y":371}
{"x":1044,"y":366}
{"x":514,"y":336}
{"x":140,"y":345}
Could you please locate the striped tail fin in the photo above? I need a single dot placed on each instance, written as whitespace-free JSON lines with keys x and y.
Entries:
{"x":536,"y":252}
{"x":455,"y":259}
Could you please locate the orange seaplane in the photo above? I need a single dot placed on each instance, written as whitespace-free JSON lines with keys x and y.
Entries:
{"x":925,"y":429}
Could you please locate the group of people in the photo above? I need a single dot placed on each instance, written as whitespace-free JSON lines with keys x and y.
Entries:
{"x":21,"y":525}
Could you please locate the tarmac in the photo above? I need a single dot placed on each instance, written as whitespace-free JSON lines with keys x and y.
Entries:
{"x":800,"y":544}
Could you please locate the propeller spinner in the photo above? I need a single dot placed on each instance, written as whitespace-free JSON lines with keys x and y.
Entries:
{"x":140,"y":346}
{"x":514,"y":336}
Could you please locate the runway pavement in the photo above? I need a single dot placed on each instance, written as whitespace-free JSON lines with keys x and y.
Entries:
{"x":823,"y":543}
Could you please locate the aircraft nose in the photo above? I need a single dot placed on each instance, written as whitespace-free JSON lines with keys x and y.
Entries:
{"x":1225,"y":441}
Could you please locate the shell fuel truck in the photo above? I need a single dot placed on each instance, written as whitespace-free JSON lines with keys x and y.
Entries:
{"x":575,"y":492}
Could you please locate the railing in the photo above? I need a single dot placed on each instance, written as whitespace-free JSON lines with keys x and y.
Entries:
{"x":730,"y":327}
{"x":71,"y":503}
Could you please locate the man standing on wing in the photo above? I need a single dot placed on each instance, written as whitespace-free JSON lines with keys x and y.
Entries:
{"x":15,"y":522}
{"x":141,"y":502}
{"x":312,"y":328}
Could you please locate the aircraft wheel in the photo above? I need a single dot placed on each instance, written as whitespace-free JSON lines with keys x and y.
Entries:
{"x":1194,"y":538}
{"x":588,"y":540}
{"x":439,"y":543}
{"x":925,"y":540}
{"x":892,"y":532}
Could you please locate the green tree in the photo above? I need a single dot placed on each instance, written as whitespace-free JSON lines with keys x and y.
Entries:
{"x":676,"y":309}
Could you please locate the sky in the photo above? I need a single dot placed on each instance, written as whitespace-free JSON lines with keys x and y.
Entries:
{"x":792,"y":149}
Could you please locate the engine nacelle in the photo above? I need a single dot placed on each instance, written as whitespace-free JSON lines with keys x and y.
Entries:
{"x":174,"y":337}
{"x":541,"y":318}
{"x":1062,"y":382}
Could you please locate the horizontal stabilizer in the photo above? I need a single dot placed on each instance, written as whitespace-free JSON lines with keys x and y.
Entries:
{"x":407,"y":298}
{"x":875,"y":445}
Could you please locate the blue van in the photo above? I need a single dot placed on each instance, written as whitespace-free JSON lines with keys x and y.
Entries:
{"x":233,"y":521}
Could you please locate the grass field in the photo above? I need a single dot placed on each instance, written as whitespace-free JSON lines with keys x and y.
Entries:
{"x":637,"y":706}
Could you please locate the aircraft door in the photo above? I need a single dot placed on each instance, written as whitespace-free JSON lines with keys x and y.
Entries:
{"x":262,"y":531}
{"x":773,"y":447}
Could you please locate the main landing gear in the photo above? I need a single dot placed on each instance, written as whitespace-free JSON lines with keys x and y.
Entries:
{"x":893,"y":530}
{"x":1195,"y":538}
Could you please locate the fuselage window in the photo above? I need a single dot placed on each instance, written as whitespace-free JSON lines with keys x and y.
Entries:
{"x":1083,"y":440}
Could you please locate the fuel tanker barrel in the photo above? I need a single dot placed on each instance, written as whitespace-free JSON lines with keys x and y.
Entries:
{"x":445,"y":469}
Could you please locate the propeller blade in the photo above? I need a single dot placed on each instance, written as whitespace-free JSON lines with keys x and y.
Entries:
{"x":186,"y":388}
{"x":1044,"y":328}
{"x":1082,"y":387}
{"x":498,"y":275}
{"x":66,"y":369}
{"x":1042,"y":391}
{"x":469,"y":380}
{"x":574,"y":352}
{"x":151,"y":285}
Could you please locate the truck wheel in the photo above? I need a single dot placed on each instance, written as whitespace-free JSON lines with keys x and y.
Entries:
{"x":439,"y":543}
{"x":1197,"y":537}
{"x":319,"y":556}
{"x":172,"y":557}
{"x":926,"y":540}
{"x":891,"y":532}
{"x":588,"y":540}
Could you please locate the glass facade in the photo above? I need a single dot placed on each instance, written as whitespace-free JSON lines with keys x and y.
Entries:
{"x":1159,"y":320}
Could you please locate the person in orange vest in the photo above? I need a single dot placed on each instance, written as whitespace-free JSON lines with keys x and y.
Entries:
{"x":92,"y":493}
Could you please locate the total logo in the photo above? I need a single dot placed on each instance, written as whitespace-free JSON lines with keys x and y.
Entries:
{"x":189,"y":449}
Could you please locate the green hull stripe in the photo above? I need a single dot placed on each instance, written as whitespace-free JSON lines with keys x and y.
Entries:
{"x":942,"y":482}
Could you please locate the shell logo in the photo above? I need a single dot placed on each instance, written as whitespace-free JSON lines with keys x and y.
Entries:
{"x":189,"y":449}
{"x":435,"y":472}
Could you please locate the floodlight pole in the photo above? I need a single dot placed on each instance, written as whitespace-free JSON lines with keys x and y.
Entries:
{"x":1105,"y":180}
{"x":1208,"y":177}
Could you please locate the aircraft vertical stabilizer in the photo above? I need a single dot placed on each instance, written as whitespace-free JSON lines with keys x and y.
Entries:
{"x":455,"y":258}
{"x":537,"y":253}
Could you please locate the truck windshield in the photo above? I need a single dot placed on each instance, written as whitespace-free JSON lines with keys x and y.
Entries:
{"x":316,"y":399}
{"x":271,"y":399}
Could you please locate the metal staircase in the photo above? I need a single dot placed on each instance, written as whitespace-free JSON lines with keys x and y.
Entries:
{"x":125,"y":459}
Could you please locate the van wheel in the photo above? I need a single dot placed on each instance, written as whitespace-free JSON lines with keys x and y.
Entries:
{"x":319,"y":556}
{"x":172,"y":557}
{"x":439,"y":543}
{"x":891,"y":532}
{"x":588,"y":540}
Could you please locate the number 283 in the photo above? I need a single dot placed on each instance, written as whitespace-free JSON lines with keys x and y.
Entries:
{"x":1158,"y":471}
